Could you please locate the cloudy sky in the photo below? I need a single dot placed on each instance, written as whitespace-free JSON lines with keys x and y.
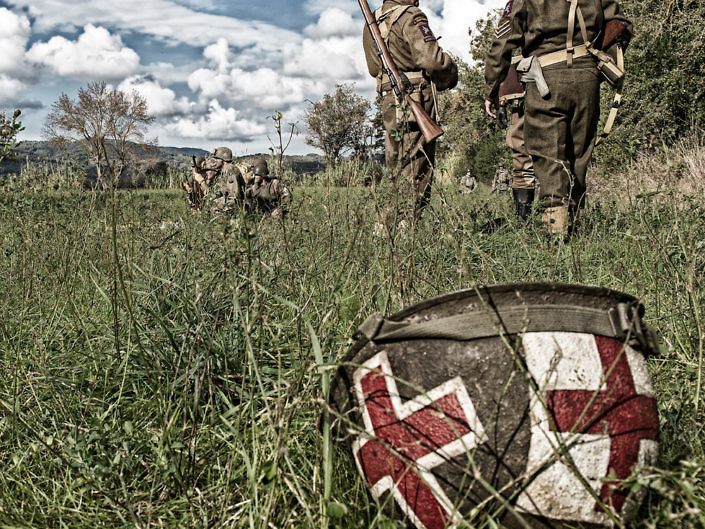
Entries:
{"x":212,"y":71}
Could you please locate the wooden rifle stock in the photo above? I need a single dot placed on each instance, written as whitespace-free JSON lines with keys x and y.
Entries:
{"x":613,"y":29}
{"x":428,"y":127}
{"x":195,"y":192}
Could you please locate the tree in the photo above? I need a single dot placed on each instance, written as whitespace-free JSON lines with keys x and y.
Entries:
{"x":473,"y":139}
{"x":106,"y":121}
{"x":336,"y":123}
{"x":9,"y":128}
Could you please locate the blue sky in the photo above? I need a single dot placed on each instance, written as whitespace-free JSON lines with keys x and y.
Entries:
{"x":213,"y":72}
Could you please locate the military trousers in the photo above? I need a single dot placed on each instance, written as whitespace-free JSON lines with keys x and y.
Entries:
{"x":407,"y":154}
{"x":523,"y":176}
{"x":560,"y":131}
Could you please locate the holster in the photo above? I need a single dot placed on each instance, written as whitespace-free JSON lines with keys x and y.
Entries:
{"x":531,"y":72}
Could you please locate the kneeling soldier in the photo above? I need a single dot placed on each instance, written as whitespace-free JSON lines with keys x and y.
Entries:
{"x":267,"y":194}
{"x":224,"y":184}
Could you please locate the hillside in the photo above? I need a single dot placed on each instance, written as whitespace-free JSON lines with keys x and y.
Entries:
{"x":43,"y":153}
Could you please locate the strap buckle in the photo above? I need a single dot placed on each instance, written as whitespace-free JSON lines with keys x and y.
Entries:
{"x":627,"y":324}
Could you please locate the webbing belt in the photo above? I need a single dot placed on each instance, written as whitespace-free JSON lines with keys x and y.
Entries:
{"x":415,"y":78}
{"x":621,"y":322}
{"x":563,"y":56}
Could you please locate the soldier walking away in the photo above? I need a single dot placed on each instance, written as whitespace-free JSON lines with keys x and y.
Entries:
{"x":267,"y":195}
{"x":559,"y":41}
{"x":501,"y":180}
{"x":510,"y":115}
{"x":468,"y":183}
{"x":417,"y":55}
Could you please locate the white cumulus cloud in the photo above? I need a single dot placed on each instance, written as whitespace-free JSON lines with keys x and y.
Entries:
{"x":166,"y":20}
{"x":11,"y":89}
{"x":334,"y":22}
{"x":219,"y":124}
{"x":14,"y":34}
{"x":160,"y":101}
{"x":95,"y":55}
{"x":332,"y":60}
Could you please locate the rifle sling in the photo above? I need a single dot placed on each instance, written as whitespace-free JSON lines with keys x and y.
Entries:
{"x":612,"y":116}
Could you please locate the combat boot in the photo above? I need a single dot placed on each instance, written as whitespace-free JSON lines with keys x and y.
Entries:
{"x":556,"y":221}
{"x":524,"y":201}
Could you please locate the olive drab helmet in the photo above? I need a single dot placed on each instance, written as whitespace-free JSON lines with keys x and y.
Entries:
{"x":222,"y":153}
{"x":211,"y":164}
{"x":260,"y":167}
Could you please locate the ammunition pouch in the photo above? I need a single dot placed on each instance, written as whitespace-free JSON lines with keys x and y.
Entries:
{"x":609,"y":69}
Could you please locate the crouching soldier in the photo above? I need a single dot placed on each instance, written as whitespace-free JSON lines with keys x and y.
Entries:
{"x":267,"y":194}
{"x":224,"y":185}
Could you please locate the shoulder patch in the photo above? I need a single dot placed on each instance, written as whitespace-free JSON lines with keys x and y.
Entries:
{"x":428,"y":35}
{"x":508,"y":8}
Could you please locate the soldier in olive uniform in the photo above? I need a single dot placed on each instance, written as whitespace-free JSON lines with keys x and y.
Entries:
{"x":224,"y":187}
{"x":415,"y":51}
{"x":511,"y":97}
{"x":501,"y":180}
{"x":266,"y":195}
{"x":560,"y":128}
{"x":468,"y":183}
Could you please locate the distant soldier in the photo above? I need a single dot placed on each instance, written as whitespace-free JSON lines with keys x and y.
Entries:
{"x":267,"y":194}
{"x":558,"y":40}
{"x":468,"y":183}
{"x":511,"y":101}
{"x":224,"y":186}
{"x":501,"y":180}
{"x":415,"y":51}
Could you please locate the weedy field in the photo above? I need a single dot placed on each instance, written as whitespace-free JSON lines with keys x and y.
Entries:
{"x":162,"y":368}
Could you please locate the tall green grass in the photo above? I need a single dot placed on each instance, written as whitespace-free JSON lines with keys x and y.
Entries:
{"x":180,"y":381}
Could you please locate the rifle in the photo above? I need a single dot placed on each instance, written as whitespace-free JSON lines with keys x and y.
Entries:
{"x":613,"y":32}
{"x":400,"y":84}
{"x":194,"y":193}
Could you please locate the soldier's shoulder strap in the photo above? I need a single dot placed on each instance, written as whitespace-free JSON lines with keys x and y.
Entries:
{"x":387,"y":19}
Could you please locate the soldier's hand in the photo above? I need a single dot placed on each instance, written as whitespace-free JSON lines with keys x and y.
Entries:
{"x":275,"y":213}
{"x":488,"y":108}
{"x":502,"y":117}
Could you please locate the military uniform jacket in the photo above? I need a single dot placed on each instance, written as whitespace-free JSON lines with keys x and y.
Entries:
{"x":539,"y":27}
{"x":267,"y":196}
{"x":510,"y":88}
{"x":227,"y":190}
{"x":413,"y":47}
{"x":501,"y":180}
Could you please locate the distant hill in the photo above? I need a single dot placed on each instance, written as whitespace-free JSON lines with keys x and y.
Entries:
{"x":42,"y":153}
